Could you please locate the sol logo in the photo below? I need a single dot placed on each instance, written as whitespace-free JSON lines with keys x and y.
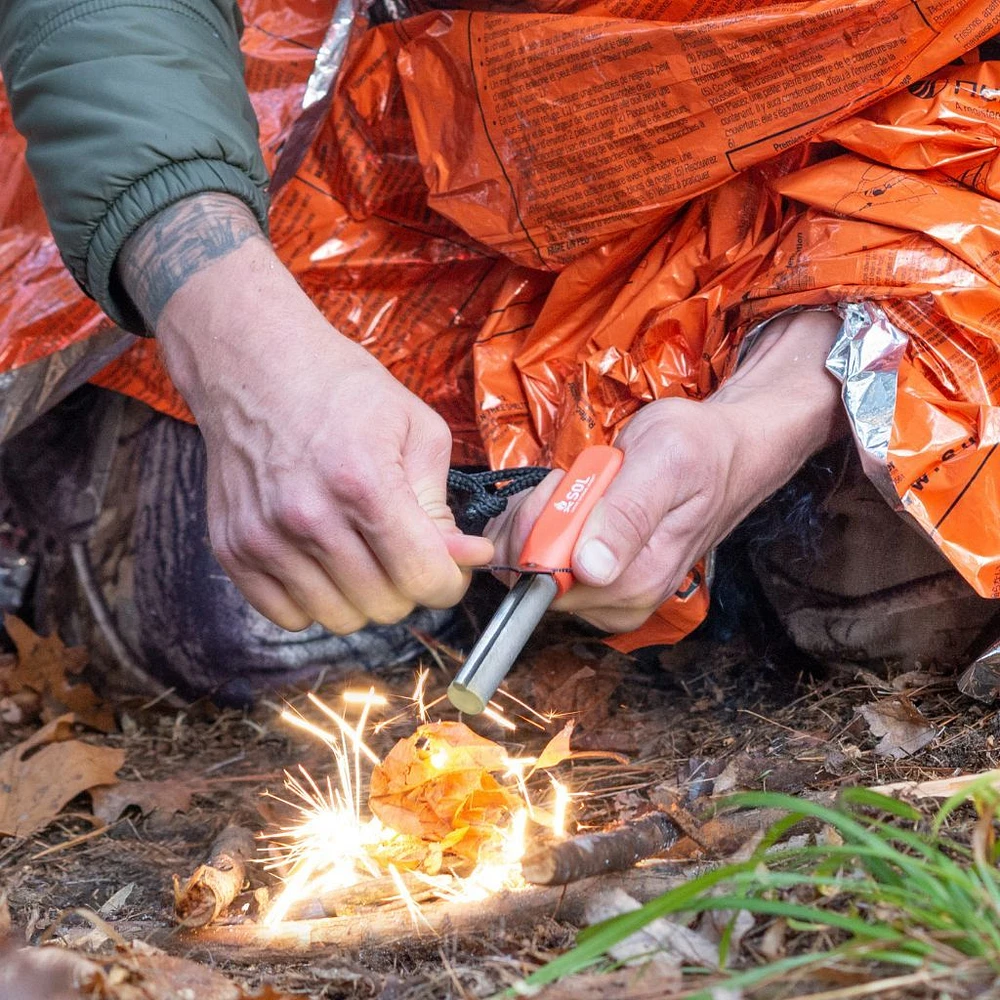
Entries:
{"x":573,"y":496}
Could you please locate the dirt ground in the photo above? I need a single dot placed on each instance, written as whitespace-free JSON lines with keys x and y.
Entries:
{"x":704,"y":716}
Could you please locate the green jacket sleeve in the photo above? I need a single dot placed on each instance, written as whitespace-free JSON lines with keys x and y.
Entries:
{"x":127,"y":106}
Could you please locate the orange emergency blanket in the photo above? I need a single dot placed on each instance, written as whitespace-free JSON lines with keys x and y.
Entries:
{"x":541,"y":215}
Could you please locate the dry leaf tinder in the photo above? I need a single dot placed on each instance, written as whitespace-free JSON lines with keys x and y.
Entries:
{"x":438,"y":785}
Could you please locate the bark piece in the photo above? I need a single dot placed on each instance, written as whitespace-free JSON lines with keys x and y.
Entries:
{"x":215,"y":884}
{"x":594,"y":853}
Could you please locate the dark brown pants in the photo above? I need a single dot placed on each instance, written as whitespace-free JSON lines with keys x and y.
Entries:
{"x":866,"y":584}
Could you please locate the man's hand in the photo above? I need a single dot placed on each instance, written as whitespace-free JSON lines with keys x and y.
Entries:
{"x":326,"y":477}
{"x":692,"y":472}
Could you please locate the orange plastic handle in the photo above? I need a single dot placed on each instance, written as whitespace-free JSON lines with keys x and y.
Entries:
{"x":549,"y":548}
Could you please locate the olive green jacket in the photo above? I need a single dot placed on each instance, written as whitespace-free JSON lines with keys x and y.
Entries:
{"x":128,"y":106}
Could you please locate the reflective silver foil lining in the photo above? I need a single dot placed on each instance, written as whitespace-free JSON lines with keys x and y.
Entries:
{"x":865,"y":358}
{"x":330,"y":55}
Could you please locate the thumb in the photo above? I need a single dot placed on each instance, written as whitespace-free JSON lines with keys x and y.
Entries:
{"x":621,"y":523}
{"x":427,"y":468}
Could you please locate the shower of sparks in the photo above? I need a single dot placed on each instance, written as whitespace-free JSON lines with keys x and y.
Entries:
{"x":406,"y":896}
{"x":417,"y":704}
{"x":369,"y":699}
{"x":345,"y":728}
{"x":560,"y":808}
{"x":418,"y":694}
{"x":335,"y":843}
{"x":493,"y":714}
{"x":546,"y":718}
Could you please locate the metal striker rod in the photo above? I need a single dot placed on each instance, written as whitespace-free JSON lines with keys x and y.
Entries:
{"x":499,"y":645}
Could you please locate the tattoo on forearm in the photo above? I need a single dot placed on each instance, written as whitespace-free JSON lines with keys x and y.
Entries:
{"x":177,"y":243}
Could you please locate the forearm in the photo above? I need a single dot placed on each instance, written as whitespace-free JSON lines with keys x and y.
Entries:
{"x":207,"y":282}
{"x":781,"y":405}
{"x":127,"y":108}
{"x":178,"y":243}
{"x":326,"y":477}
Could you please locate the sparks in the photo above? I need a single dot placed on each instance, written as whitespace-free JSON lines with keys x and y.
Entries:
{"x":345,"y":728}
{"x":336,"y":842}
{"x":418,"y":693}
{"x":560,"y":808}
{"x":367,"y":698}
{"x":494,"y":716}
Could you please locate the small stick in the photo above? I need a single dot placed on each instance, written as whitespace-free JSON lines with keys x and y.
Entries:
{"x":74,"y":841}
{"x":727,"y":833}
{"x":383,"y":927}
{"x":371,"y":892}
{"x":215,"y":884}
{"x":595,"y":853}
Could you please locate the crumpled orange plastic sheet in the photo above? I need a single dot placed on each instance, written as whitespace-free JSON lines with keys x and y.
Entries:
{"x":542,"y":215}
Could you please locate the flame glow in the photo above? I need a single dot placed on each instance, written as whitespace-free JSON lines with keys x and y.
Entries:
{"x":560,"y":807}
{"x":335,"y":843}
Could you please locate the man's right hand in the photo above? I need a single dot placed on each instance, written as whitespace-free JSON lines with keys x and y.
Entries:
{"x":326,"y":477}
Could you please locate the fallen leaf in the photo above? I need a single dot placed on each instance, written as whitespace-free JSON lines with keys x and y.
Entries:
{"x":673,"y":945}
{"x":772,"y":941}
{"x":170,"y":796}
{"x":773,"y":774}
{"x":5,"y":921}
{"x":715,"y":925}
{"x":438,"y":785}
{"x":556,"y":750}
{"x":565,"y":680}
{"x":41,"y":973}
{"x":116,"y":901}
{"x":898,"y":725}
{"x":137,"y":973}
{"x":41,"y":774}
{"x":45,"y":665}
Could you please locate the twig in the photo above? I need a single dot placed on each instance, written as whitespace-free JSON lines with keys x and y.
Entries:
{"x":215,"y":884}
{"x":94,"y":919}
{"x":922,"y":978}
{"x":382,"y":927}
{"x":595,"y":853}
{"x":73,"y":841}
{"x":938,"y":788}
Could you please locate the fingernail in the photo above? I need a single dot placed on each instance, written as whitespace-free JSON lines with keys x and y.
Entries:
{"x":597,"y":560}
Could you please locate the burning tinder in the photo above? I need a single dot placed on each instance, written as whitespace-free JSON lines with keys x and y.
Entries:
{"x":445,"y":814}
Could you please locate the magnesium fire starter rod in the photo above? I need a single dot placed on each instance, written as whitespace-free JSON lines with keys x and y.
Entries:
{"x":546,"y":574}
